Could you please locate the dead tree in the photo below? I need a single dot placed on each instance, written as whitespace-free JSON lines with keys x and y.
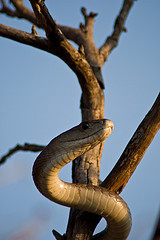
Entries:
{"x":87,"y":64}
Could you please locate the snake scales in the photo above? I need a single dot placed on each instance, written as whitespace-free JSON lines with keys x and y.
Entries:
{"x":62,"y":150}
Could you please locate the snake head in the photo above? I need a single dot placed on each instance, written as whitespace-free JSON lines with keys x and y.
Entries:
{"x":86,"y":135}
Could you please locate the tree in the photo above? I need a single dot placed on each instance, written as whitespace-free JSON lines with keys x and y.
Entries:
{"x":86,"y":64}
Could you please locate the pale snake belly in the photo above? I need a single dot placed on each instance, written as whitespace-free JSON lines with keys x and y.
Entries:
{"x":62,"y":150}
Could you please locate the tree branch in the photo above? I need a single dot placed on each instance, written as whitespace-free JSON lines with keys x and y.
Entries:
{"x":135,"y":150}
{"x":84,"y":37}
{"x":21,"y":11}
{"x":87,"y":28}
{"x":112,"y":41}
{"x":90,"y":49}
{"x":26,"y":147}
{"x":26,"y":38}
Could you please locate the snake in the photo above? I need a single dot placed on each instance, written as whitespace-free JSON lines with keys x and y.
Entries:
{"x":95,"y":199}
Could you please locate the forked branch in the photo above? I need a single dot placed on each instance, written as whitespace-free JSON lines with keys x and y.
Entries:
{"x":82,"y":36}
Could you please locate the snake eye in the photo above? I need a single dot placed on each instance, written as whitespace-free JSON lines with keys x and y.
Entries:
{"x":85,"y":125}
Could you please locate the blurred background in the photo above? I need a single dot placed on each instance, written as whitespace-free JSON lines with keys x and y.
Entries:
{"x":40,"y":98}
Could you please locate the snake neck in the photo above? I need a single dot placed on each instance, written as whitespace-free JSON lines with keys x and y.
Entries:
{"x":46,"y":176}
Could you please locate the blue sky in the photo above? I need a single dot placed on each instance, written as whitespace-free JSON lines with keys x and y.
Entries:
{"x":40,"y":98}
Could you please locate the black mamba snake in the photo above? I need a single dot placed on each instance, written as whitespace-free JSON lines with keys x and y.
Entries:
{"x":62,"y":150}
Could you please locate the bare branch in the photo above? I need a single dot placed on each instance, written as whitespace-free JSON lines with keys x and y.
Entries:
{"x":84,"y":37}
{"x":90,"y":49}
{"x":26,"y":147}
{"x":112,"y":41}
{"x":87,"y":28}
{"x":45,"y":19}
{"x":26,"y":38}
{"x":20,"y":11}
{"x":7,"y":10}
{"x":135,"y":150}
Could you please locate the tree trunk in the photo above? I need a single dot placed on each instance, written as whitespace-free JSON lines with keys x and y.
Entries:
{"x":86,"y":168}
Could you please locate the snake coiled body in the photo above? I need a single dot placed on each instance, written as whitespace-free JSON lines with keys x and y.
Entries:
{"x":65,"y":148}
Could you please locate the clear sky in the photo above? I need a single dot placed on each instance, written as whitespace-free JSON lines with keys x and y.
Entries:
{"x":40,"y":98}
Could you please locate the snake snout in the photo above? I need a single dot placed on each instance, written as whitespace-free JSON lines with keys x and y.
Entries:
{"x":109,"y":124}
